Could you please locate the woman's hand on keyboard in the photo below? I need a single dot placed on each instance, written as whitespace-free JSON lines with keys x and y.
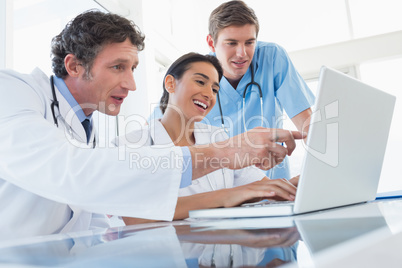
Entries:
{"x":278,"y":189}
{"x":295,"y":180}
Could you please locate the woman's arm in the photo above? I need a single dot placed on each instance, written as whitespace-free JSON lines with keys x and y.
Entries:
{"x":274,"y":189}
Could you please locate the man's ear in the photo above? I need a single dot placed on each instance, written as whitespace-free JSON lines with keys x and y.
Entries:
{"x":210,"y":43}
{"x":170,"y":83}
{"x":73,"y":66}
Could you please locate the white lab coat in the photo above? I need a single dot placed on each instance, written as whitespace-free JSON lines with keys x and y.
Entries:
{"x":155,"y":133}
{"x":51,"y":182}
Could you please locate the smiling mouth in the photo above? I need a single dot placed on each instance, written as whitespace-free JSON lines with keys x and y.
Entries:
{"x":240,"y":64}
{"x":117,"y":98}
{"x":200,"y":104}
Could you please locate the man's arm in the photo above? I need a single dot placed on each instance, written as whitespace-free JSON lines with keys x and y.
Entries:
{"x":302,"y":120}
{"x":258,"y":147}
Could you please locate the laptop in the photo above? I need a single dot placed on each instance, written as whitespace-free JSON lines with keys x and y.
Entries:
{"x":345,"y":150}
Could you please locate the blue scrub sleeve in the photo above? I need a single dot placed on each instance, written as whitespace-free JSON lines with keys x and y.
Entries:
{"x":292,"y":91}
{"x":187,"y":172}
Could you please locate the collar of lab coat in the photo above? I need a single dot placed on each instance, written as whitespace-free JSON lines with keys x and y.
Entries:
{"x":159,"y":134}
{"x":71,"y":120}
{"x":202,"y":133}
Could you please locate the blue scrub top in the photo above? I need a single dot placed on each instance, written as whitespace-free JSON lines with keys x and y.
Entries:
{"x":282,"y":88}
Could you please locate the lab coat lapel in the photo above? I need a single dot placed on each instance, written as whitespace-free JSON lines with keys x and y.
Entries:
{"x":159,"y":134}
{"x":71,"y":120}
{"x":65,"y":114}
{"x":202,"y":133}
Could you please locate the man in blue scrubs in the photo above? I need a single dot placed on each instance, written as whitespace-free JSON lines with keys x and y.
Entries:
{"x":233,"y":31}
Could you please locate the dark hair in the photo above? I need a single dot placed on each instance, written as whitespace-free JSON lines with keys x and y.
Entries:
{"x":87,"y":34}
{"x":235,"y":13}
{"x":181,"y":65}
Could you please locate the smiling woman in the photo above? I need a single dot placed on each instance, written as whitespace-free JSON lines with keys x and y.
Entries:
{"x":190,"y":89}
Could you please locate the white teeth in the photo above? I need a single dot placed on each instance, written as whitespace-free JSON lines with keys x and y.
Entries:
{"x":203,"y":105}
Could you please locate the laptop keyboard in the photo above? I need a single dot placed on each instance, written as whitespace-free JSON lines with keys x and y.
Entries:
{"x":268,"y":203}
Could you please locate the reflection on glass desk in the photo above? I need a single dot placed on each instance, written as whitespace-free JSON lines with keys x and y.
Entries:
{"x":255,"y":242}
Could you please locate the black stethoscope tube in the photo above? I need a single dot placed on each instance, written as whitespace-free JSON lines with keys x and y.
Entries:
{"x":250,"y":84}
{"x":55,"y":102}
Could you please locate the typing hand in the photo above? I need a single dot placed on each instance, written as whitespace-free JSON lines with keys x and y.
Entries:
{"x":278,"y":189}
{"x":295,"y":180}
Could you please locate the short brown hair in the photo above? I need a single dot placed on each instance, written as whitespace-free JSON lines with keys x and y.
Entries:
{"x":234,"y":12}
{"x":87,"y":34}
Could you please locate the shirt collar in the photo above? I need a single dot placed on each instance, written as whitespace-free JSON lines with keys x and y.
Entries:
{"x":62,"y":87}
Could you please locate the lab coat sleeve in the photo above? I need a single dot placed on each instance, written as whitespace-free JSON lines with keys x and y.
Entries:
{"x":37,"y":157}
{"x":247,"y":175}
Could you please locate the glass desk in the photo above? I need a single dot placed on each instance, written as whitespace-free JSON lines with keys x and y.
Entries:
{"x":368,"y":234}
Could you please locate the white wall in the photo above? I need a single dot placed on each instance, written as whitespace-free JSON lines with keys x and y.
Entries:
{"x":348,"y":53}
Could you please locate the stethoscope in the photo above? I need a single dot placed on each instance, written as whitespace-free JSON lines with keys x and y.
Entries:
{"x":55,"y":104}
{"x":249,"y":85}
{"x":213,"y":264}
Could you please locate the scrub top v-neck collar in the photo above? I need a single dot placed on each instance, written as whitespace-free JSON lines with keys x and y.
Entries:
{"x":236,"y":94}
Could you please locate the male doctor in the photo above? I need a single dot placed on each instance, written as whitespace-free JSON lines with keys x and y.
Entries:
{"x":233,"y":32}
{"x":52,"y":181}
